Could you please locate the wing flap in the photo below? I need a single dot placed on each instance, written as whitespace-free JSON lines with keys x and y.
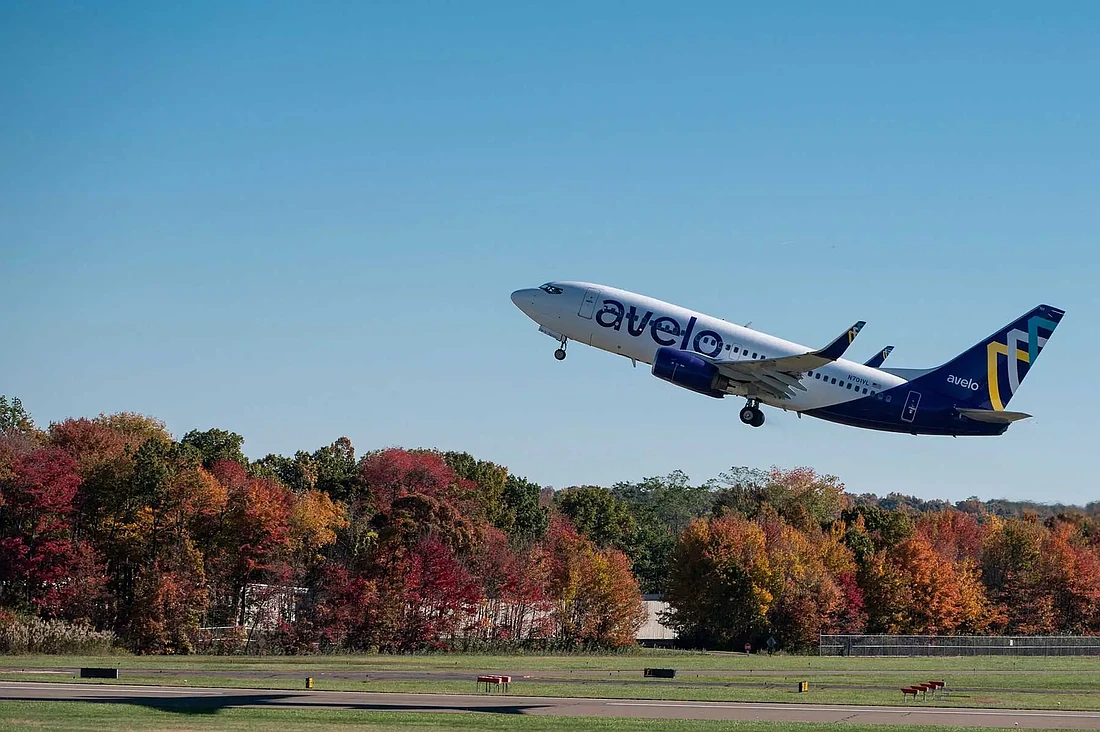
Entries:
{"x":778,"y":376}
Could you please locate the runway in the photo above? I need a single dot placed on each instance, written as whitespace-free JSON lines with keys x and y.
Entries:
{"x":167,"y":697}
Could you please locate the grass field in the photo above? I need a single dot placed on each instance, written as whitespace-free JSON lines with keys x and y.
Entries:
{"x":84,"y":717}
{"x":1068,"y":683}
{"x":732,"y":663}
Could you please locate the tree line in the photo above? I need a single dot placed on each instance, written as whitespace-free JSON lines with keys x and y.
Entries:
{"x":113,"y":524}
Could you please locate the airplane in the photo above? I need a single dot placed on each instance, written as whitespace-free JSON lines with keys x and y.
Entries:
{"x":878,"y":359}
{"x":716,"y":358}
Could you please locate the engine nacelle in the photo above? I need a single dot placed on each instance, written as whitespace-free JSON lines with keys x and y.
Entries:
{"x":688,"y":370}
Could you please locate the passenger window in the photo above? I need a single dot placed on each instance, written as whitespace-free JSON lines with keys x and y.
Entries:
{"x":887,"y":397}
{"x":864,"y":391}
{"x":737,"y":349}
{"x":849,"y":385}
{"x":754,"y":354}
{"x":834,"y":381}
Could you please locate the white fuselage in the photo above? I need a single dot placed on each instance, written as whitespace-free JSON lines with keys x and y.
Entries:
{"x":636,"y":326}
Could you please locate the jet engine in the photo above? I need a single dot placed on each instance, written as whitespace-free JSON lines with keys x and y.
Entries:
{"x":688,"y":370}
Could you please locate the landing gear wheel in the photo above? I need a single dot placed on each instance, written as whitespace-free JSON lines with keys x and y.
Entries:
{"x":560,"y":353}
{"x":751,"y":415}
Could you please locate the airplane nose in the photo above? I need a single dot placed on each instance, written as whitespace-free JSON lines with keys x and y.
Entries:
{"x":524,"y":299}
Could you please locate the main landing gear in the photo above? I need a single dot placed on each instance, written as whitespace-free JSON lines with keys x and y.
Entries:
{"x":751,"y":414}
{"x":560,"y":353}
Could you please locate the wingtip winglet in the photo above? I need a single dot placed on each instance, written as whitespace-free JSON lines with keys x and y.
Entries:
{"x":836,"y":349}
{"x":879,"y":358}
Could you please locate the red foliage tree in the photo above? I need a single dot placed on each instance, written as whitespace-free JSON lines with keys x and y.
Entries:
{"x":393,"y":473}
{"x":41,"y":565}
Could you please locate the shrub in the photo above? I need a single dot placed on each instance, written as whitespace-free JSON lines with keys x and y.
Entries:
{"x":29,"y":634}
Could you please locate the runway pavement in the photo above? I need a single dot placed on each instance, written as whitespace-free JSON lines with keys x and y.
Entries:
{"x":178,"y":697}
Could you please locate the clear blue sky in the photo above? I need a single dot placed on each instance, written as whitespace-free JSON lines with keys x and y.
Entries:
{"x":303,"y":220}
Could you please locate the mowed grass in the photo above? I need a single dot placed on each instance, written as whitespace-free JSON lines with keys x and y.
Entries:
{"x":85,"y":717}
{"x":1067,"y":683}
{"x":732,"y":663}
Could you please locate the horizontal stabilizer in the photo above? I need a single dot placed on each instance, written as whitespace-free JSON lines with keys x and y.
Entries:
{"x":992,"y":417}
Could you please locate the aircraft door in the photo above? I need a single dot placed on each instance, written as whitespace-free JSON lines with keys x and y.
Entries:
{"x":909,"y":412}
{"x":588,"y":304}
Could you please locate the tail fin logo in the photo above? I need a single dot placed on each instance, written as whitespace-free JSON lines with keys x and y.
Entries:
{"x":1020,"y":351}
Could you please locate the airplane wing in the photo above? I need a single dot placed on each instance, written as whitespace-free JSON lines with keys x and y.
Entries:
{"x":778,"y":377}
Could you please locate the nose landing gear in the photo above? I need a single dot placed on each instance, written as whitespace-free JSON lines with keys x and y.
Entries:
{"x":751,"y":414}
{"x":560,"y":353}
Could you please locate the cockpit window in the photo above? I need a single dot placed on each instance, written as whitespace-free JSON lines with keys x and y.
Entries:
{"x":552,"y":289}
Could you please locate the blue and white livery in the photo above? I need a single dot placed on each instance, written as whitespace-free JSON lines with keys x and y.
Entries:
{"x":965,"y":396}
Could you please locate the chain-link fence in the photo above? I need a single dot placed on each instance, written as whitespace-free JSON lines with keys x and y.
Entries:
{"x":958,"y":645}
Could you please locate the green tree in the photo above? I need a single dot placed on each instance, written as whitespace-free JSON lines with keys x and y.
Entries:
{"x":662,"y":507}
{"x":273,"y":467}
{"x":488,"y":480}
{"x":14,"y":418}
{"x":214,"y":445}
{"x":598,"y":515}
{"x":650,"y":549}
{"x":802,"y":497}
{"x":337,"y":471}
{"x":671,"y":499}
{"x":886,"y":529}
{"x":529,"y":519}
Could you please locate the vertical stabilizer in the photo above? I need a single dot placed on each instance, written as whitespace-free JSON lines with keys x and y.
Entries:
{"x":988,"y":374}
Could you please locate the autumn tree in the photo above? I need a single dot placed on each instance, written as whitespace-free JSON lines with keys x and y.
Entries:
{"x":42,"y":567}
{"x":1012,"y":572}
{"x":515,"y":592}
{"x":596,"y":599}
{"x":485,"y":482}
{"x":945,"y":595}
{"x":802,"y":497}
{"x":807,"y":599}
{"x":160,"y":583}
{"x":256,"y":537}
{"x":1070,"y":569}
{"x":719,"y":588}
